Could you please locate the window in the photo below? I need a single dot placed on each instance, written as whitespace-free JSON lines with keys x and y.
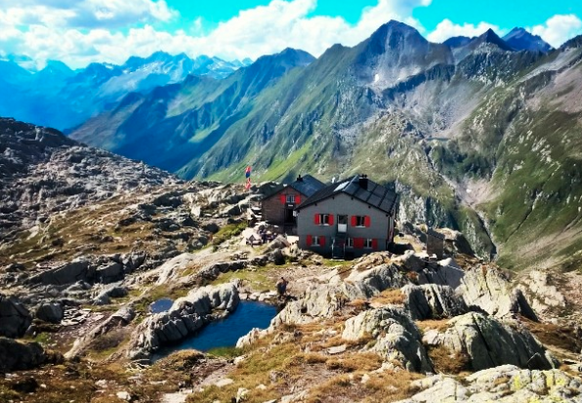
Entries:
{"x":291,"y":199}
{"x":360,"y":221}
{"x":368,"y":243}
{"x":350,"y":243}
{"x":324,"y":219}
{"x":315,"y":241}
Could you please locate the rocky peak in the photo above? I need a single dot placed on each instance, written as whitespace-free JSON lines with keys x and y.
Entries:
{"x":572,"y":43}
{"x":490,"y":37}
{"x":287,"y":58}
{"x":520,"y":39}
{"x":396,"y":52}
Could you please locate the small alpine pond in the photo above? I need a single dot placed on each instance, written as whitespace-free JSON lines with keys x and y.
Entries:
{"x":226,"y":332}
{"x":161,"y":305}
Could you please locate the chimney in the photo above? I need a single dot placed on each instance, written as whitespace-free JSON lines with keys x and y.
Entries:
{"x":299,"y":178}
{"x":363,"y":181}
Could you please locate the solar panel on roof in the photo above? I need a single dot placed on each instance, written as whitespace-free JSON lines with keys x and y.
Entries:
{"x":341,"y":186}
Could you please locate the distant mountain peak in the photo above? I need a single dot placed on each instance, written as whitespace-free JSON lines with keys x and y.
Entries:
{"x":520,"y":39}
{"x":492,"y":38}
{"x":457,"y":41}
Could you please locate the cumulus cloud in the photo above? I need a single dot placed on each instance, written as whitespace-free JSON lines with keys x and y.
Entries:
{"x":447,"y":29}
{"x":558,"y":29}
{"x":83,"y":31}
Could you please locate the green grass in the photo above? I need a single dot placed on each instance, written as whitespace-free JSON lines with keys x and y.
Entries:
{"x":225,"y":352}
{"x":228,"y":231}
{"x":260,"y":279}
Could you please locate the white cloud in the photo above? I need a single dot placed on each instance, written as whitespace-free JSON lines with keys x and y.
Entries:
{"x":79,"y":32}
{"x":447,"y":29}
{"x":61,"y":14}
{"x":558,"y":29}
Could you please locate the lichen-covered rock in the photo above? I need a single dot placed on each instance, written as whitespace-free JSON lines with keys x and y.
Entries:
{"x":544,"y":295}
{"x":395,"y":336}
{"x":505,"y":384}
{"x":432,"y":301}
{"x":490,"y":343}
{"x":322,"y":301}
{"x":14,"y":317}
{"x":488,"y":289}
{"x":186,"y":316}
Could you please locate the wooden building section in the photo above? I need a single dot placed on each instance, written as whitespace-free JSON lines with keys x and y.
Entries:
{"x":278,"y":207}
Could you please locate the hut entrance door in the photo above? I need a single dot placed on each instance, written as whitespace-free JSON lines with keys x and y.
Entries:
{"x":289,"y":217}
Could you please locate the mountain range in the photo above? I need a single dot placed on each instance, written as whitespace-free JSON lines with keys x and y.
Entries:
{"x":478,"y":134}
{"x":60,"y":97}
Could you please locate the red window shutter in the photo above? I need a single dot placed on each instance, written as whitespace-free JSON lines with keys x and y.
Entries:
{"x":367,"y":221}
{"x":322,"y":241}
{"x":298,"y":200}
{"x":283,"y":199}
{"x":316,"y":219}
{"x":331,"y":219}
{"x":375,"y":244}
{"x":354,"y":221}
{"x":358,"y":243}
{"x":309,"y":240}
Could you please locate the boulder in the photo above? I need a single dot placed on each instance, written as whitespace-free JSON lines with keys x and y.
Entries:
{"x":15,"y":356}
{"x":489,"y":289}
{"x":277,"y":257}
{"x":503,"y":384}
{"x":50,"y":312}
{"x":395,"y":334}
{"x":110,"y":272}
{"x":14,"y":317}
{"x":211,"y":227}
{"x":431,"y":301}
{"x":121,"y":318}
{"x":323,"y":301}
{"x":445,"y":272}
{"x":76,"y":270}
{"x":278,"y":243}
{"x":489,"y":343}
{"x":542,"y":291}
{"x":104,"y":295}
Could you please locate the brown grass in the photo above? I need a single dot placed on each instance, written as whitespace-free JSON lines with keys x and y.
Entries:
{"x":448,"y":362}
{"x":352,"y":362}
{"x":392,"y":296}
{"x":440,"y":325}
{"x":555,"y":335}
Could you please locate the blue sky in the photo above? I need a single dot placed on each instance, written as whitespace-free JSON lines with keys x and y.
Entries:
{"x":82,"y":31}
{"x":504,"y":13}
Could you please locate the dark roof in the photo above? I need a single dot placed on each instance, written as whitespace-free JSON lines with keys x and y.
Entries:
{"x":307,"y":186}
{"x":375,"y":195}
